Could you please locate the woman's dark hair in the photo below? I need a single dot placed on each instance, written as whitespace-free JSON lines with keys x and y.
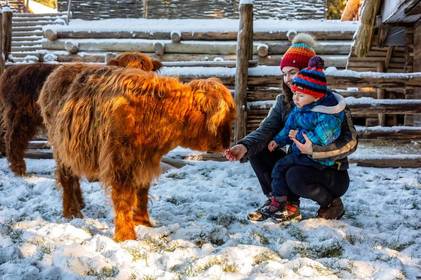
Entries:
{"x":288,"y":95}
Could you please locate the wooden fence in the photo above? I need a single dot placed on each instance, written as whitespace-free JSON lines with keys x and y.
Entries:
{"x":264,"y":84}
{"x":185,"y":53}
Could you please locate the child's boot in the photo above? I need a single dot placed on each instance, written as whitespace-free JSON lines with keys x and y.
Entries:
{"x":257,"y":214}
{"x":291,"y":212}
{"x":276,"y":204}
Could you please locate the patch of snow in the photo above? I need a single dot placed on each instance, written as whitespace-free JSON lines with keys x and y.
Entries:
{"x":60,"y":21}
{"x":49,"y":57}
{"x":6,"y":9}
{"x":370,"y":100}
{"x":202,"y":232}
{"x":31,"y":58}
{"x":332,"y":71}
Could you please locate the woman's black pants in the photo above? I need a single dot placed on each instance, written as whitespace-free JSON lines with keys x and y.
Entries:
{"x":321,"y":186}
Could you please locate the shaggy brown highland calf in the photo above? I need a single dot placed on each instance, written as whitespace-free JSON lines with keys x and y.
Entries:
{"x":19,"y":90}
{"x":115,"y":124}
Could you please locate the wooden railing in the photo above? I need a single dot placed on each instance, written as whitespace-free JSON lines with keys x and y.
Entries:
{"x":264,"y":84}
{"x":255,"y":87}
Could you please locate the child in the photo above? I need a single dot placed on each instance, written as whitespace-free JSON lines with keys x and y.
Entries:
{"x":316,"y":114}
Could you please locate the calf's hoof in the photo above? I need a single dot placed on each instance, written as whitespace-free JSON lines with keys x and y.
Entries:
{"x":142,"y":220}
{"x":18,"y":169}
{"x":125,"y":234}
{"x":72,"y":214}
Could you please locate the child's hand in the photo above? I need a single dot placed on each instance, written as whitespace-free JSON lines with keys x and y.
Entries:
{"x":292,"y":133}
{"x":272,"y":146}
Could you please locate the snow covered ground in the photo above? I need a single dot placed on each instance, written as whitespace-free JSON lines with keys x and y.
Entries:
{"x":201,"y":231}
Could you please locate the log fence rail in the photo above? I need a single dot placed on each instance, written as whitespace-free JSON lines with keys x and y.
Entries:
{"x":247,"y":65}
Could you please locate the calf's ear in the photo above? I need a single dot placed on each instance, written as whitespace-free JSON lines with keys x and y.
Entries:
{"x":156,"y":65}
{"x":113,"y":62}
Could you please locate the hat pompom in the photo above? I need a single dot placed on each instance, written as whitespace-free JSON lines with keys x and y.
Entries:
{"x":298,"y":54}
{"x":304,"y":38}
{"x":316,"y":62}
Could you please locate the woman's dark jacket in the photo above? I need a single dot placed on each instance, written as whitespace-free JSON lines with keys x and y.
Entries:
{"x":258,"y":140}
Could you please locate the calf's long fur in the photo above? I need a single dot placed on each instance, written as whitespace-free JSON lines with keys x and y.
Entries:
{"x":115,"y":124}
{"x":19,"y":90}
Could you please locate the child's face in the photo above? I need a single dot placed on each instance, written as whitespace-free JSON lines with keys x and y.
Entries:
{"x":301,"y":99}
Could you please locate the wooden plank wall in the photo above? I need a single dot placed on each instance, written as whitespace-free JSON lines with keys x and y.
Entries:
{"x":397,"y":58}
{"x":102,"y":9}
{"x":83,"y":46}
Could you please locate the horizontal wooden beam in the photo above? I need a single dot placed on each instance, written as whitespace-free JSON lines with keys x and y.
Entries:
{"x":269,"y":76}
{"x":228,"y":63}
{"x":404,"y":161}
{"x":34,"y":153}
{"x":23,"y":15}
{"x":386,"y":106}
{"x":53,"y":34}
{"x":358,"y":106}
{"x":203,"y":47}
{"x":398,"y":132}
{"x":394,"y":132}
{"x":340,"y":79}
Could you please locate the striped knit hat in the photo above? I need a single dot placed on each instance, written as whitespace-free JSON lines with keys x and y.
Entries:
{"x":299,"y":53}
{"x":311,"y":80}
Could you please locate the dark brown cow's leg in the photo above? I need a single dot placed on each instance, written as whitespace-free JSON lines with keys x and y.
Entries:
{"x":20,"y":128}
{"x":72,"y":195}
{"x":2,"y":130}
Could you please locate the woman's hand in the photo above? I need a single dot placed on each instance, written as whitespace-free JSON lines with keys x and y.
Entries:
{"x":306,"y":148}
{"x":272,"y":146}
{"x":236,"y":152}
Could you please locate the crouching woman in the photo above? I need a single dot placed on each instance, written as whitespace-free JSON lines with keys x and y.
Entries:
{"x":324,"y":186}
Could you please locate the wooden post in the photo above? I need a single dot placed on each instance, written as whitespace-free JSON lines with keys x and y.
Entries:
{"x":175,"y":36}
{"x":71,"y":46}
{"x":263,"y":50}
{"x":2,"y":62}
{"x":380,"y":95}
{"x":50,"y":34}
{"x":69,"y":8}
{"x":159,"y":48}
{"x":7,"y":31}
{"x":244,"y":54}
{"x":145,"y":9}
{"x":417,"y":66}
{"x":26,"y":6}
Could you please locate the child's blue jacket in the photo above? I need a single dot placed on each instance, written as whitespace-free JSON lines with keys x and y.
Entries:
{"x":320,"y":121}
